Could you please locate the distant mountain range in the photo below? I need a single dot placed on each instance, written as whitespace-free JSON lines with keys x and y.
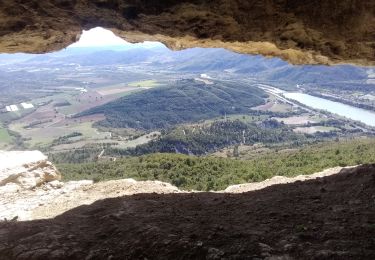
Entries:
{"x":193,"y":60}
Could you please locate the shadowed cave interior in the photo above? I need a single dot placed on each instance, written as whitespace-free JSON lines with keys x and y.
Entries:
{"x":327,"y":218}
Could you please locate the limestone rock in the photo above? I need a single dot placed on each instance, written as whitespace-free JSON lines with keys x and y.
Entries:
{"x":246,"y":187}
{"x":282,"y":222}
{"x":301,"y":32}
{"x":27,"y":169}
{"x":19,"y":203}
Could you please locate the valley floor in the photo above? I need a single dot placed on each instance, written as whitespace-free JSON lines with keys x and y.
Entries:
{"x":326,"y":218}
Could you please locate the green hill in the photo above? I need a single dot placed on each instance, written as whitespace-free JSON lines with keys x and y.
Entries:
{"x":186,"y":101}
{"x":206,"y":139}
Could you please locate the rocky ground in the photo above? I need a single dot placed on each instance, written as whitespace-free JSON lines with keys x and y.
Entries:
{"x":54,"y":198}
{"x":325,"y":218}
{"x":49,"y":199}
{"x":88,"y":194}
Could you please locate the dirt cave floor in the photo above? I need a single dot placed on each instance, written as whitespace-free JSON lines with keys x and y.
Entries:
{"x":326,"y":218}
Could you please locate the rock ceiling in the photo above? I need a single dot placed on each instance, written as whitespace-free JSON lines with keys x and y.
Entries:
{"x":301,"y":32}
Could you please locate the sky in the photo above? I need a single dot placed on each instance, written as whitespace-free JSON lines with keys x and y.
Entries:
{"x":98,"y":37}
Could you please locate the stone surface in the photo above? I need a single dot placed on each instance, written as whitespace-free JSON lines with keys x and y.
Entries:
{"x":30,"y":188}
{"x":324,"y":215}
{"x":18,"y":203}
{"x":281,"y":222}
{"x":91,"y":192}
{"x":301,"y":32}
{"x":27,"y":169}
{"x":13,"y":159}
{"x":55,"y":197}
{"x":246,"y":187}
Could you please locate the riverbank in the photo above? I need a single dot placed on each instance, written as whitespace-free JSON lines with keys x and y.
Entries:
{"x":341,"y":100}
{"x":350,"y":112}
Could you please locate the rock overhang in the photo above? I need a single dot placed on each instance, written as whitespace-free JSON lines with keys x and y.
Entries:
{"x":300,"y":32}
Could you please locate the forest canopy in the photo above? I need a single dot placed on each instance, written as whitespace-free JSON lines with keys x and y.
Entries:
{"x":185,"y":101}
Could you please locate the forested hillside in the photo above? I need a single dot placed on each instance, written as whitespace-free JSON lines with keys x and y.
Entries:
{"x":202,"y":140}
{"x":210,"y":173}
{"x":185,"y":101}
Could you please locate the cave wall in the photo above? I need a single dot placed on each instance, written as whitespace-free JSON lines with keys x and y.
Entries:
{"x":301,"y":32}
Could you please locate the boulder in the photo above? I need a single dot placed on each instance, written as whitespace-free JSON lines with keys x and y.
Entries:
{"x":27,"y":169}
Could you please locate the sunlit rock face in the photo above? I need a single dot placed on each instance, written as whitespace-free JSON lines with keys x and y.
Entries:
{"x":301,"y":32}
{"x":25,"y":169}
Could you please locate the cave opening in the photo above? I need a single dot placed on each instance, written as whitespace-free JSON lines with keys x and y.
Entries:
{"x":102,"y":99}
{"x":143,"y":151}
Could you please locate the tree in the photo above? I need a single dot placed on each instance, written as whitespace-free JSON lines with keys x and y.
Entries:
{"x":236,"y":153}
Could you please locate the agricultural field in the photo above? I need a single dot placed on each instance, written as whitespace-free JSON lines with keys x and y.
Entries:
{"x":145,"y":84}
{"x":275,"y":105}
{"x":138,"y":141}
{"x":116,"y":90}
{"x":52,"y":121}
{"x":52,"y":118}
{"x":77,"y":103}
{"x":314,"y":129}
{"x":5,"y":138}
{"x":299,"y":120}
{"x":43,"y":136}
{"x":51,"y":124}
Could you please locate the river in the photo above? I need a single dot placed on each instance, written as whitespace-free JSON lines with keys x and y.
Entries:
{"x":365,"y":116}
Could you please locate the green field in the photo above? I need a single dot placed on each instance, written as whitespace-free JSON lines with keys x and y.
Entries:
{"x":4,"y":136}
{"x":326,"y":128}
{"x":44,"y":136}
{"x":314,"y":129}
{"x":145,"y":84}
